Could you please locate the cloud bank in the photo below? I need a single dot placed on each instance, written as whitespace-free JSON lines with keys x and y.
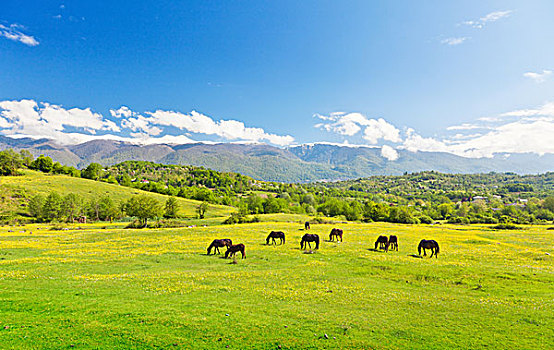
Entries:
{"x":28,"y":118}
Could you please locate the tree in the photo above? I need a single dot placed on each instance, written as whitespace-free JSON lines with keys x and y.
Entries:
{"x":201,"y":210}
{"x":93,"y":171}
{"x":52,"y":208}
{"x":171,"y":208}
{"x":36,"y":204}
{"x":42,"y":163}
{"x":10,"y":162}
{"x":71,"y":206}
{"x":549,"y":203}
{"x":107,"y":210}
{"x":143,"y":207}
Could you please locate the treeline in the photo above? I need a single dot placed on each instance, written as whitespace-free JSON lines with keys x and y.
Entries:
{"x":72,"y":207}
{"x":423,"y":197}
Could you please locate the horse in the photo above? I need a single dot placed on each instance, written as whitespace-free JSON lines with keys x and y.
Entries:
{"x":393,"y":241}
{"x":218,"y":243}
{"x":382,"y":242}
{"x":233,"y":249}
{"x":336,"y":232}
{"x":428,"y":244}
{"x":275,"y":234}
{"x":307,"y":238}
{"x":307,"y":225}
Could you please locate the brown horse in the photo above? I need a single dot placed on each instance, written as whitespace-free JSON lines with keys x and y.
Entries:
{"x":275,"y":234}
{"x":233,"y":249}
{"x":307,"y":238}
{"x":336,"y":232}
{"x":428,"y":244}
{"x":218,"y":243}
{"x":307,"y":225}
{"x":382,"y":242}
{"x":393,"y":241}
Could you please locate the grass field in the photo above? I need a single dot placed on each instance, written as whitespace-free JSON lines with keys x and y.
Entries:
{"x":146,"y":289}
{"x":34,"y":182}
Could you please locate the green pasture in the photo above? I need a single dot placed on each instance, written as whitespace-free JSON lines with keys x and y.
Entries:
{"x":115,"y":288}
{"x":34,"y":182}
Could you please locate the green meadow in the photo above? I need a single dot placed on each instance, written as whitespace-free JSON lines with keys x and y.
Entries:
{"x":14,"y":190}
{"x":114,"y":288}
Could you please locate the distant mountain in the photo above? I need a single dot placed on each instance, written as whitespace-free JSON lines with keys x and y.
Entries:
{"x":315,"y":162}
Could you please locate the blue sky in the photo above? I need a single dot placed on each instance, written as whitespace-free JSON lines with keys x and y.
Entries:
{"x":469,"y":77}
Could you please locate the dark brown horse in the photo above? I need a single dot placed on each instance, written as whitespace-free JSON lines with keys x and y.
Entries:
{"x":307,"y":225}
{"x":218,"y":243}
{"x":382,"y":242}
{"x":428,"y":244}
{"x":393,"y":243}
{"x":275,"y":234}
{"x":233,"y":249}
{"x":307,"y":238}
{"x":336,"y":232}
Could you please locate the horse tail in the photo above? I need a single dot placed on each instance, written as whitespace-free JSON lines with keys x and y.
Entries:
{"x":283,"y":239}
{"x":317,"y":243}
{"x":267,"y":239}
{"x":302,"y":244}
{"x":419,"y":248}
{"x":210,"y":248}
{"x":437,"y":250}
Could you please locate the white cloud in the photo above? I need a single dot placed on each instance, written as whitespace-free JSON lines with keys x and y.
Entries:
{"x":488,"y":18}
{"x":538,"y":77}
{"x":465,"y":126}
{"x":349,"y":124}
{"x":27,"y":118}
{"x":454,"y":41}
{"x":389,"y":153}
{"x":229,"y":129}
{"x":545,"y":110}
{"x":13,"y":32}
{"x":415,"y":142}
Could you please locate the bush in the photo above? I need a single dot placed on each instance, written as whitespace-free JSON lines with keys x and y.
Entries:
{"x":424,"y":219}
{"x":506,"y":226}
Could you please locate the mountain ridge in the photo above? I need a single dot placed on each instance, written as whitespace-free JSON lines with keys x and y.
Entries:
{"x":302,"y":163}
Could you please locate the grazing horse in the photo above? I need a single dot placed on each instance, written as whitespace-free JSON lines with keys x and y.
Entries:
{"x":275,"y":234}
{"x":393,"y":241}
{"x":307,"y":238}
{"x":233,"y":249}
{"x":218,"y":243}
{"x":428,"y":244}
{"x":336,"y":232}
{"x":307,"y":225}
{"x":382,"y":242}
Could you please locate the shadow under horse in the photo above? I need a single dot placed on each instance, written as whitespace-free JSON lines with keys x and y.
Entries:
{"x":275,"y":234}
{"x":428,"y":244}
{"x":336,"y":232}
{"x":219,"y":243}
{"x":382,"y":242}
{"x":233,"y":249}
{"x":307,"y":238}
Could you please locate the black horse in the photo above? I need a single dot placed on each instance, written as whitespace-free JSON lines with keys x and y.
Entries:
{"x":307,"y":238}
{"x":428,"y":244}
{"x":382,"y":242}
{"x":218,"y":243}
{"x":275,"y":234}
{"x":336,"y":232}
{"x":233,"y":249}
{"x":307,"y":225}
{"x":393,"y":242}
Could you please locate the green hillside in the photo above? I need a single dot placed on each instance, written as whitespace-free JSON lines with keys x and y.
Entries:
{"x":16,"y":190}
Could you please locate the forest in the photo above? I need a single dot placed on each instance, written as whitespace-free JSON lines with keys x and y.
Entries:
{"x":425,"y":197}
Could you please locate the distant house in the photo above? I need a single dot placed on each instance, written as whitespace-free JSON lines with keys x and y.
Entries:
{"x":481,"y":198}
